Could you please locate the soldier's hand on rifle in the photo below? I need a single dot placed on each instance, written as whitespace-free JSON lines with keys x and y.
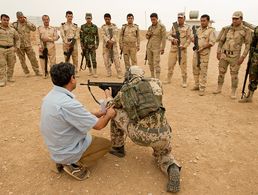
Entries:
{"x":175,"y":41}
{"x":218,"y":55}
{"x":111,"y":112}
{"x":240,"y":60}
{"x":108,"y":94}
{"x":162,"y":51}
{"x":40,"y":49}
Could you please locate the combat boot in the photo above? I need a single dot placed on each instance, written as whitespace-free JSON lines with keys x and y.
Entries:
{"x":152,"y":74}
{"x":95,"y":73}
{"x":195,"y":87}
{"x":184,"y":84}
{"x":11,"y":79}
{"x":173,"y":184}
{"x":90,"y":72}
{"x":168,"y":79}
{"x":248,"y":98}
{"x":118,"y":151}
{"x":201,"y":92}
{"x":157,"y":75}
{"x":2,"y":83}
{"x":218,"y":90}
{"x":233,"y":93}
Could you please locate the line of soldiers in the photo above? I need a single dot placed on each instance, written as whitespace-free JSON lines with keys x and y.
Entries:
{"x":231,"y":39}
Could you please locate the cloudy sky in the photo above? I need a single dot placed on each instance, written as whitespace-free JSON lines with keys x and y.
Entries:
{"x":219,"y":10}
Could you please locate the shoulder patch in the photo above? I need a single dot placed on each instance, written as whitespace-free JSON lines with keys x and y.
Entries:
{"x":113,"y":24}
{"x":63,"y":23}
{"x":75,"y":24}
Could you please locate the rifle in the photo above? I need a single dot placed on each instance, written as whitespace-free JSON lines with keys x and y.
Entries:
{"x":249,"y":64}
{"x":104,"y":85}
{"x":109,"y":46}
{"x":196,"y":46}
{"x":45,"y":57}
{"x":70,"y":50}
{"x":146,"y":56}
{"x":83,"y":55}
{"x":175,"y":25}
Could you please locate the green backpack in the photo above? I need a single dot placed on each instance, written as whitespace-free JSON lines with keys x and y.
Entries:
{"x":138,"y":100}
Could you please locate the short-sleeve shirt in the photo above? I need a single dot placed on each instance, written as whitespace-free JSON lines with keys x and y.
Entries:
{"x":65,"y":126}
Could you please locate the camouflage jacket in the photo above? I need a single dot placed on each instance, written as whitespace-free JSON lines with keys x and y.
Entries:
{"x":24,"y":32}
{"x":89,"y":35}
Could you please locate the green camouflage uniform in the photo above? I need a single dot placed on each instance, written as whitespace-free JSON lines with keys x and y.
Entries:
{"x":151,"y":131}
{"x":90,"y":41}
{"x":253,"y":77}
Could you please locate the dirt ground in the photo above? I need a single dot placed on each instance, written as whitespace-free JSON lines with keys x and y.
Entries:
{"x":214,"y":138}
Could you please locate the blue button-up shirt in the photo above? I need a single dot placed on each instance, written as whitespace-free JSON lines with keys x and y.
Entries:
{"x":65,"y":126}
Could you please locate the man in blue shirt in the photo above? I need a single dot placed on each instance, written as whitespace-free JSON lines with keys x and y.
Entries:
{"x":65,"y":125}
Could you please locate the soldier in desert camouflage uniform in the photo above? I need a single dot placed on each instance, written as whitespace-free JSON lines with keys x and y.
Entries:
{"x":231,"y":39}
{"x":9,"y":42}
{"x":146,"y":125}
{"x":24,"y":27}
{"x":70,"y":34}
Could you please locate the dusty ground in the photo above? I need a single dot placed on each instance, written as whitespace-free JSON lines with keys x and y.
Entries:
{"x":215,"y":140}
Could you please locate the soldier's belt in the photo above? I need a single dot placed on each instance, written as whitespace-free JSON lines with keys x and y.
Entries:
{"x":6,"y":47}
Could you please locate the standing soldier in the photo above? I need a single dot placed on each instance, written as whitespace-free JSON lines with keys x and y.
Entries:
{"x":231,"y":39}
{"x":253,"y":73}
{"x":24,"y":27}
{"x":129,"y":41}
{"x":206,"y":39}
{"x":70,"y":34}
{"x":109,"y":34}
{"x":156,"y":36}
{"x":47,"y":36}
{"x":180,"y":37}
{"x":89,"y":43}
{"x":9,"y":42}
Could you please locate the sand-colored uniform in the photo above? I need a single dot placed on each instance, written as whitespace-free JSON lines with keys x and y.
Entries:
{"x":51,"y":33}
{"x":150,"y":131}
{"x":24,"y":30}
{"x":206,"y":36}
{"x":156,"y":36}
{"x":129,"y":42}
{"x":110,"y":55}
{"x":185,"y":40}
{"x":69,"y":31}
{"x":9,"y":40}
{"x":230,"y":44}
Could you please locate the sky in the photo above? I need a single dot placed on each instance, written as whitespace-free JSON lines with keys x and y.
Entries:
{"x":220,"y":10}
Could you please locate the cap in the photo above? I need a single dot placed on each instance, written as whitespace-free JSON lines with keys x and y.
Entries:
{"x":136,"y":70}
{"x":181,"y":15}
{"x":19,"y":14}
{"x":237,"y":14}
{"x":88,"y":15}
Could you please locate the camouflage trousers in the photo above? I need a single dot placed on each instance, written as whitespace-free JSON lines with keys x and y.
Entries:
{"x":7,"y":62}
{"x":129,"y":54}
{"x":108,"y":60}
{"x":74,"y":56}
{"x":200,"y":72}
{"x":90,"y":56}
{"x":173,"y":58}
{"x":153,"y":56}
{"x":234,"y":69}
{"x":32,"y":58}
{"x":153,"y":131}
{"x":253,"y":77}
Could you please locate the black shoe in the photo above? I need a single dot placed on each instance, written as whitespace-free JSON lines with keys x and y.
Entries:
{"x":118,"y":151}
{"x":59,"y":167}
{"x":173,"y":178}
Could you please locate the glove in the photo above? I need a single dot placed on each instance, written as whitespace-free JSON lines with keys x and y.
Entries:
{"x":103,"y":87}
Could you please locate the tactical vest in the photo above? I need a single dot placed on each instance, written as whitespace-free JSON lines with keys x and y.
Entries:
{"x":139,"y":100}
